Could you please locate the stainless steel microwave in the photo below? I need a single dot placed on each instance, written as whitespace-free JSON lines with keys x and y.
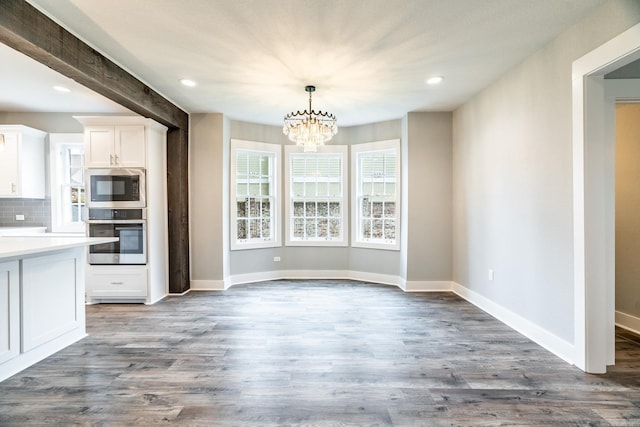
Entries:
{"x":116,"y":188}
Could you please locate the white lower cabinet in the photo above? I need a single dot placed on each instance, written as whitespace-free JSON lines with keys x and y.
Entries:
{"x":9,"y":311}
{"x":117,"y":283}
{"x":49,"y":297}
{"x":41,"y":307}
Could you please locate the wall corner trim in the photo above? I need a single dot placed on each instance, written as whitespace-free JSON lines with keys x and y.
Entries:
{"x":556,"y":345}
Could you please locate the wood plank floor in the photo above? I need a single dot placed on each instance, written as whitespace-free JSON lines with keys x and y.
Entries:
{"x":317,"y":353}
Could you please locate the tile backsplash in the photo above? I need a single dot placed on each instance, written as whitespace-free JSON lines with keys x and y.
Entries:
{"x":37,"y":212}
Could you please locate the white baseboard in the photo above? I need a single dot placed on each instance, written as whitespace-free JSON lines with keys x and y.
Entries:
{"x":382,"y":279}
{"x":556,"y":345}
{"x":208,"y":285}
{"x":262,"y":276}
{"x":428,"y":286}
{"x":362,"y":276}
{"x":313,"y":275}
{"x":628,"y":321}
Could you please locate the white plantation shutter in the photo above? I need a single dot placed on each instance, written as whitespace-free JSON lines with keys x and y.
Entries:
{"x":316,"y":189}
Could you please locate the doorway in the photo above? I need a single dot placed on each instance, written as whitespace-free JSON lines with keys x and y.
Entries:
{"x":627,"y":226}
{"x":593,"y":198}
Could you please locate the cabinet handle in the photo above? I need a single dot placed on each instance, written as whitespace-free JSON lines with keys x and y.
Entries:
{"x":111,"y":159}
{"x":117,"y":283}
{"x":117,"y":160}
{"x":13,"y":187}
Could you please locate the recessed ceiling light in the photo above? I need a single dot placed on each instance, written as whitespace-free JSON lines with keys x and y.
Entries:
{"x":188,"y":82}
{"x":435,"y":80}
{"x":62,"y":89}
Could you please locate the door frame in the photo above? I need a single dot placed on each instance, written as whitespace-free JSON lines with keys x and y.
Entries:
{"x":594,"y":199}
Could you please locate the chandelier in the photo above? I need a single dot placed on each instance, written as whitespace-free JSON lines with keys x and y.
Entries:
{"x":310,"y":129}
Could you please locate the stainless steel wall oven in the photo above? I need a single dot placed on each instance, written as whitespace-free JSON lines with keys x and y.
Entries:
{"x":129,"y":225}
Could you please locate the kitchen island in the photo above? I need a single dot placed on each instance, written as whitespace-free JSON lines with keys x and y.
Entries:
{"x":42,"y":297}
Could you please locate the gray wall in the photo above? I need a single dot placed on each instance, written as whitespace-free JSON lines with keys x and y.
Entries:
{"x":429,"y":162}
{"x":512,"y":174}
{"x":207,"y":181}
{"x":430,"y":246}
{"x":627,"y":208}
{"x":48,"y":122}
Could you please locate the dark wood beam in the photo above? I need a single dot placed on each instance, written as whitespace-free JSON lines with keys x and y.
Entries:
{"x":27,"y":30}
{"x":178,"y":196}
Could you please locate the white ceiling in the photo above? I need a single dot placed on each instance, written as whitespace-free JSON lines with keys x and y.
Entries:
{"x":252,"y":58}
{"x":27,"y":85}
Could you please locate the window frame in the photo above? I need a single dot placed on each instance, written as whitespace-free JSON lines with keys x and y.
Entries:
{"x":340,"y":151}
{"x":275,"y":151}
{"x":57,"y":142}
{"x":357,"y":240}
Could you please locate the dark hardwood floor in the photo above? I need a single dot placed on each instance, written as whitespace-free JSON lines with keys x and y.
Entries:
{"x":318,"y":353}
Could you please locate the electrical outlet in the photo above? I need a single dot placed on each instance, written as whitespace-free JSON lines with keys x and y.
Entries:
{"x":19,"y":217}
{"x":276,"y":259}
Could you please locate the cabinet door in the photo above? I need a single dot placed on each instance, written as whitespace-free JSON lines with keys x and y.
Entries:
{"x":9,"y":165}
{"x":50,"y":291}
{"x":99,"y":147}
{"x":9,"y":311}
{"x":130,"y":146}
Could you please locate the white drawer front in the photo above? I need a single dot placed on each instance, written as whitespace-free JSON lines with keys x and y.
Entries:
{"x":117,"y":282}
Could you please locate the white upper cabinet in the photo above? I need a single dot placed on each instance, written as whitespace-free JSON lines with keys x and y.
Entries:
{"x":22,"y":162}
{"x":130,"y":143}
{"x":120,"y":146}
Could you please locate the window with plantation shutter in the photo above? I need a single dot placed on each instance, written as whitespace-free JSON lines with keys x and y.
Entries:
{"x":68,"y":213}
{"x":254,"y":194}
{"x":376,"y":194}
{"x":316,"y":208}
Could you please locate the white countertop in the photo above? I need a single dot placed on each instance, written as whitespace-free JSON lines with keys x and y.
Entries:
{"x":21,"y":231}
{"x":29,"y":245}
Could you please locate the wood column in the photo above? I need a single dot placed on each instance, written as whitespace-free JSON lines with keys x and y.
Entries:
{"x":25,"y":29}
